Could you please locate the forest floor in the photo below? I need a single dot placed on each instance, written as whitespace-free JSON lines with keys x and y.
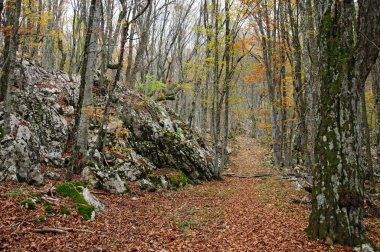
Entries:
{"x":235,"y":214}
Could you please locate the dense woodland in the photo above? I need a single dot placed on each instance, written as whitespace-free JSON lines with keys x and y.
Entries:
{"x":300,"y":76}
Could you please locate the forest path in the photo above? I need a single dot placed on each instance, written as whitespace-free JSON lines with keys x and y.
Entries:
{"x":234,"y":214}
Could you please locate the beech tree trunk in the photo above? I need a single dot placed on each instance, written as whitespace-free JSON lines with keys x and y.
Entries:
{"x":338,"y":186}
{"x":82,"y":118}
{"x":12,"y":15}
{"x":376,"y":93}
{"x":366,"y":138}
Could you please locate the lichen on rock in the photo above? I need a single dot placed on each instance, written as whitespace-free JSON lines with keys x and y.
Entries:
{"x":141,"y":136}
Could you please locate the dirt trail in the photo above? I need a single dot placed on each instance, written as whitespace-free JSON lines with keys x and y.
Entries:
{"x":235,"y":214}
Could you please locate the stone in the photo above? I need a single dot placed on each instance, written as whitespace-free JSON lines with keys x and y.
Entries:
{"x":52,"y":175}
{"x":142,"y":136}
{"x":146,"y":185}
{"x":92,"y":200}
{"x":101,"y":179}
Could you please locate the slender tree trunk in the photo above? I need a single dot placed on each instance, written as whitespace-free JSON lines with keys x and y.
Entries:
{"x":227,"y":82}
{"x":48,"y":50}
{"x":144,"y":39}
{"x":268,"y":47}
{"x":215,"y":109}
{"x":366,"y":138}
{"x":83,"y":113}
{"x":37,"y":39}
{"x":299,"y":85}
{"x":376,"y":93}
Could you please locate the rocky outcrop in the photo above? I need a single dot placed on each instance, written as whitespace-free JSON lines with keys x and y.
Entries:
{"x":39,"y":123}
{"x":19,"y":156}
{"x":164,"y":139}
{"x":141,"y":135}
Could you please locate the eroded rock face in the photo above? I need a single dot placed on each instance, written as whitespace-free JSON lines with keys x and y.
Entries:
{"x":163,"y":139}
{"x":19,"y":154}
{"x":39,"y":123}
{"x":141,"y":135}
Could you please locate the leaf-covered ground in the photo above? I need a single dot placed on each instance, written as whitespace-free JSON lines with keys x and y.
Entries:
{"x":236,"y":214}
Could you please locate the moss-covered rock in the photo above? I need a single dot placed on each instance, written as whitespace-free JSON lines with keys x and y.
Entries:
{"x":29,"y":204}
{"x":147,"y":185}
{"x":73,"y":191}
{"x":40,"y":219}
{"x":49,"y":208}
{"x":65,"y":210}
{"x":87,"y":211}
{"x":179,"y":180}
{"x":155,"y":179}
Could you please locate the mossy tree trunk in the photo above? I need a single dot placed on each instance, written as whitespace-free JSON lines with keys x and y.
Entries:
{"x":337,"y":206}
{"x":12,"y":16}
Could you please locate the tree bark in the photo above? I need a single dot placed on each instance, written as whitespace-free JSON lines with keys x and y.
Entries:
{"x":12,"y":16}
{"x":338,"y":186}
{"x":299,"y":86}
{"x":83,"y":111}
{"x":376,"y":93}
{"x":366,"y":138}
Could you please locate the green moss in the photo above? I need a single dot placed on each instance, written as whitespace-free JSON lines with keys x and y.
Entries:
{"x":155,"y":179}
{"x":15,"y":193}
{"x":49,"y":208}
{"x":65,"y":211}
{"x":145,"y":171}
{"x":180,"y":180}
{"x":72,"y":190}
{"x":93,"y":164}
{"x":86,"y":211}
{"x":29,"y":204}
{"x":36,"y":196}
{"x":40,"y":219}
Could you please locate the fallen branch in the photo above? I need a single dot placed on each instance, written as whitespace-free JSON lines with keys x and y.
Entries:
{"x":49,"y":230}
{"x":59,"y":230}
{"x":264,"y":175}
{"x":75,"y":229}
{"x":100,"y":193}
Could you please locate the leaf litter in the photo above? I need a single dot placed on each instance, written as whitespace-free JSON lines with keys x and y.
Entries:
{"x":250,"y":214}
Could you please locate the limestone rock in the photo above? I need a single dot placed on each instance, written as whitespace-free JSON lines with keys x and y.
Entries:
{"x":52,"y":175}
{"x":142,"y":136}
{"x":146,"y":185}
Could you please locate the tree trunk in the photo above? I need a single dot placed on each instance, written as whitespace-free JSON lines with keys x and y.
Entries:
{"x":366,"y":138}
{"x":82,"y":119}
{"x":48,"y":50}
{"x":143,"y":43}
{"x":376,"y":93}
{"x":267,"y":46}
{"x":338,"y":186}
{"x":12,"y":16}
{"x":37,"y":39}
{"x":299,"y":87}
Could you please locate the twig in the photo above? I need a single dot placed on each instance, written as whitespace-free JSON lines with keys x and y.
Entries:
{"x":59,"y":230}
{"x":248,"y":176}
{"x":75,"y":229}
{"x":100,"y":193}
{"x":49,"y":230}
